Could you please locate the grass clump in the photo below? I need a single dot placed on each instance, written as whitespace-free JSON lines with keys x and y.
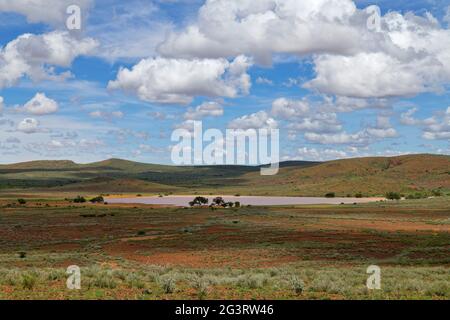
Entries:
{"x":29,"y":281}
{"x":297,"y":285}
{"x":201,"y":286}
{"x":168,"y":284}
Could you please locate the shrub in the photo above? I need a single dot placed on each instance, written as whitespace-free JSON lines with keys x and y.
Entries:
{"x":21,"y":201}
{"x":134,"y":281}
{"x":330,"y":195}
{"x":168,"y":285}
{"x":297,"y":285}
{"x":359,"y":195}
{"x":416,"y":195}
{"x":201,"y":286}
{"x":393,"y":196}
{"x":104,"y":281}
{"x":98,"y":199}
{"x":79,"y":199}
{"x":237,"y":204}
{"x":436,"y":193}
{"x":29,"y":281}
{"x":54,"y":275}
{"x":22,"y":255}
{"x":141,"y":233}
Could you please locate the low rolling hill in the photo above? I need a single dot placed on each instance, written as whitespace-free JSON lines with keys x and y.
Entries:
{"x":368,"y":176}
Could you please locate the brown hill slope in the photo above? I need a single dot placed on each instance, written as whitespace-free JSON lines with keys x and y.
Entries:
{"x":370,"y":176}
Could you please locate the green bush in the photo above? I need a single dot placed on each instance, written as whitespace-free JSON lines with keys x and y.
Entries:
{"x":436,"y":193}
{"x":98,"y":199}
{"x":79,"y":199}
{"x":393,"y":196}
{"x":21,"y":201}
{"x":330,"y":195}
{"x":359,"y":195}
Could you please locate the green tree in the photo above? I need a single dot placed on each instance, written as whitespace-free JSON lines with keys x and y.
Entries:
{"x":199,"y":201}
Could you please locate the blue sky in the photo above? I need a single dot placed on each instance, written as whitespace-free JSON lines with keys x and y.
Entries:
{"x":137,"y":70}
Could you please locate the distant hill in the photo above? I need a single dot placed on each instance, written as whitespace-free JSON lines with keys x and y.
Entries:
{"x":369,"y":176}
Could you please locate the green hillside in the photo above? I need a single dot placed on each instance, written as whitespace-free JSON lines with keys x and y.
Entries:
{"x":368,"y":176}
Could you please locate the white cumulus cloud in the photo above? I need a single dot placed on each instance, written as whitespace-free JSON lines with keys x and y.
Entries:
{"x":259,"y":120}
{"x":41,"y":105}
{"x":28,"y":125}
{"x":207,"y":109}
{"x":36,"y":56}
{"x":180,"y":80}
{"x":53,"y":12}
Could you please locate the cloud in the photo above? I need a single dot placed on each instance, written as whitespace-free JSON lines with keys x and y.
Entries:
{"x":178,"y":81}
{"x":259,"y":120}
{"x":407,"y":118}
{"x":52,"y":12}
{"x":347,"y":104}
{"x":447,"y":16}
{"x":376,"y":75}
{"x":408,"y":55}
{"x":381,"y":130}
{"x":64,"y":148}
{"x":306,"y":116}
{"x":128,"y":30}
{"x":262,"y":80}
{"x":106,"y":115}
{"x":41,"y":105}
{"x":313,"y":154}
{"x":265,"y":28}
{"x":12,"y":140}
{"x":338,"y":138}
{"x":286,"y":109}
{"x":123,"y":135}
{"x":318,"y":123}
{"x":28,"y":125}
{"x":436,"y":127}
{"x":207,"y":109}
{"x":161,"y":116}
{"x":416,"y":60}
{"x":36,"y":56}
{"x":2,"y":105}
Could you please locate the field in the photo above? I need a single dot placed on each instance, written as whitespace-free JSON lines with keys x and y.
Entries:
{"x":145,"y":252}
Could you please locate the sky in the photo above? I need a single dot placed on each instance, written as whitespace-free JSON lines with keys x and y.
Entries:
{"x":335,"y":77}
